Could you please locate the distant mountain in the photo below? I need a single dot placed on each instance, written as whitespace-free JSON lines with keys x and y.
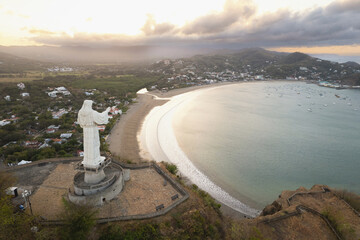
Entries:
{"x":80,"y":54}
{"x":352,"y":64}
{"x":295,"y":57}
{"x":14,"y":64}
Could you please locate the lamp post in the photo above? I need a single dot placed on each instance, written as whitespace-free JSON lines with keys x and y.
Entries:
{"x":26,"y":195}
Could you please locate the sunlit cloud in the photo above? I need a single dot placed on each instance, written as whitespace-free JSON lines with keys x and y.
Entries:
{"x":232,"y":24}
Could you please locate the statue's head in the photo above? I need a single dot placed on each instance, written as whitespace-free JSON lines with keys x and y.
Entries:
{"x":85,"y":114}
{"x":87,"y":104}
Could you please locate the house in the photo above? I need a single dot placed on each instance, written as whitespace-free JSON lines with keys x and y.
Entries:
{"x":32,"y":144}
{"x":80,"y":153}
{"x":52,"y":94}
{"x":114,"y":110}
{"x":101,"y":128}
{"x":52,"y":128}
{"x":58,"y":140}
{"x":4,"y":122}
{"x":25,"y":94}
{"x":65,"y":135}
{"x":57,"y":115}
{"x":7,"y":98}
{"x":44,"y":145}
{"x":21,"y":86}
{"x":61,"y":89}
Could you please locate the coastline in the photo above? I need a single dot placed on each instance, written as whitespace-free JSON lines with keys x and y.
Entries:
{"x":146,"y":126}
{"x":123,"y":139}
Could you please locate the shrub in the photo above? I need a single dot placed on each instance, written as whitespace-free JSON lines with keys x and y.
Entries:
{"x":172,"y":168}
{"x":146,"y":231}
{"x":79,"y":220}
{"x":351,"y":198}
{"x":336,"y":219}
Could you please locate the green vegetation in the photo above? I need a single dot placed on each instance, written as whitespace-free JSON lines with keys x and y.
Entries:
{"x":14,"y":224}
{"x":351,"y":198}
{"x":172,"y":168}
{"x":116,"y":85}
{"x":338,"y":222}
{"x":145,"y":232}
{"x":243,"y":233}
{"x":208,"y":200}
{"x":79,"y":220}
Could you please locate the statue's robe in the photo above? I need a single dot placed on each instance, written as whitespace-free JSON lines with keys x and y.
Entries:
{"x":92,"y":158}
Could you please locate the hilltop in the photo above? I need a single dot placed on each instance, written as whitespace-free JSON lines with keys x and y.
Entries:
{"x":14,"y":64}
{"x":319,"y":213}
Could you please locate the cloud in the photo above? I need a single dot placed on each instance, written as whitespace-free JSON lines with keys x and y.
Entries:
{"x":344,"y":6}
{"x":152,"y":28}
{"x":85,"y":39}
{"x":233,"y":11}
{"x":236,"y":26}
{"x":39,"y":31}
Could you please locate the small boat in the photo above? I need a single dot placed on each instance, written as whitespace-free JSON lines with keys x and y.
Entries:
{"x":337,"y":96}
{"x":309,"y":110}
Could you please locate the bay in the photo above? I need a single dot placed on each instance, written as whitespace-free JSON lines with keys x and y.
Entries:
{"x":256,"y":139}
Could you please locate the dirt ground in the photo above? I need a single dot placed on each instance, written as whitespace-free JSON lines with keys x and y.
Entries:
{"x":145,"y":190}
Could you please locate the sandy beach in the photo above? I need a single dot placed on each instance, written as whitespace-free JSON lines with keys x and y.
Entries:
{"x":123,"y":140}
{"x":145,"y":133}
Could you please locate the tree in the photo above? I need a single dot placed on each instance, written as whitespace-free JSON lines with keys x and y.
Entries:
{"x":79,"y":220}
{"x":13,"y":224}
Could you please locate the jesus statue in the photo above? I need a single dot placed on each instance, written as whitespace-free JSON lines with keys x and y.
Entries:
{"x":88,"y":120}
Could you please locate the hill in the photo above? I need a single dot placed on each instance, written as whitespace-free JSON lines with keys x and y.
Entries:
{"x":14,"y":64}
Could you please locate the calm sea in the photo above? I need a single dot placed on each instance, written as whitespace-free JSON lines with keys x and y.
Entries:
{"x":256,"y":139}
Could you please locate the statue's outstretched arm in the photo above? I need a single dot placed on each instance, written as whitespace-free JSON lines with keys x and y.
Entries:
{"x":101,"y":118}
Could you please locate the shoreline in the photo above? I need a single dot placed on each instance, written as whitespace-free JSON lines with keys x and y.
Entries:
{"x":158,"y":142}
{"x":124,"y":138}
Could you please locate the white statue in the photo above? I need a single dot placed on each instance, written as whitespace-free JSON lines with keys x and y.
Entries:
{"x":88,"y":120}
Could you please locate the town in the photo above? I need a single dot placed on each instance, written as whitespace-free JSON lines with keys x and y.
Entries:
{"x":41,"y":114}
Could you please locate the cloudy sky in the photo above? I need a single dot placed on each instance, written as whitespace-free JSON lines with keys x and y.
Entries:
{"x":321,"y":26}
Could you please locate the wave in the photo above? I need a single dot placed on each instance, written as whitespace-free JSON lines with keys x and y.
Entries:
{"x":157,"y":139}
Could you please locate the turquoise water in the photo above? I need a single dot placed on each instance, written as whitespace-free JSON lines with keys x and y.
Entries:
{"x":256,"y":139}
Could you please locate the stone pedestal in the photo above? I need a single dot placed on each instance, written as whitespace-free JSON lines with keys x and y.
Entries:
{"x":93,"y":178}
{"x":96,"y":186}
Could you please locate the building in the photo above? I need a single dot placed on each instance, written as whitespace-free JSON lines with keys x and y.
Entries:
{"x":52,"y":94}
{"x":4,"y":122}
{"x":21,"y":86}
{"x":25,"y":94}
{"x":32,"y":144}
{"x":58,"y":114}
{"x":52,"y":129}
{"x":7,"y":98}
{"x":114,"y":110}
{"x":101,"y":128}
{"x":65,"y":135}
{"x":80,"y":153}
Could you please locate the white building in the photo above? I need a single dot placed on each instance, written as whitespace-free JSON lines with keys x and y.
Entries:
{"x":57,"y":115}
{"x":4,"y":122}
{"x":65,"y":135}
{"x":7,"y":98}
{"x":25,"y":94}
{"x":53,"y":94}
{"x":21,"y":86}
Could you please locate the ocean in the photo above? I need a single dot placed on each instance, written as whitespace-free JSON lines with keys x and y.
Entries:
{"x":257,"y":139}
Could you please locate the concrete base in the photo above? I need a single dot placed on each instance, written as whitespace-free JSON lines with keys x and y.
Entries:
{"x":100,"y":197}
{"x":109,"y":186}
{"x":93,"y":178}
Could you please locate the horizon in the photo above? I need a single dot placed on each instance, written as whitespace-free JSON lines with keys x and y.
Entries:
{"x":327,"y":27}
